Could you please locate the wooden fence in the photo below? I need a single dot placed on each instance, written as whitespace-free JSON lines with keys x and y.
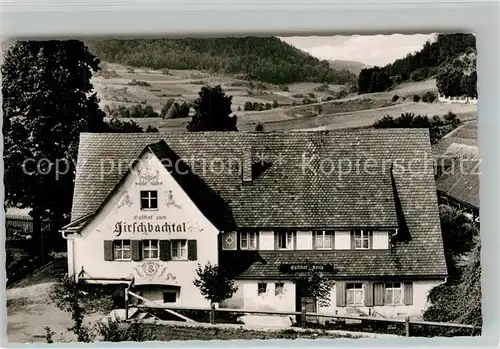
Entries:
{"x":303,"y":315}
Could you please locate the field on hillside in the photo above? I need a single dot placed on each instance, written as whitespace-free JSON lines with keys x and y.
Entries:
{"x":120,"y":85}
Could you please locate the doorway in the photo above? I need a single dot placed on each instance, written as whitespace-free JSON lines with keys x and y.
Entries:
{"x":303,"y":298}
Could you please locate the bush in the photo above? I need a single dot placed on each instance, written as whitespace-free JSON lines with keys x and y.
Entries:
{"x":284,"y":88}
{"x":395,"y":98}
{"x":259,"y":127}
{"x":429,"y":97}
{"x":450,"y":116}
{"x":275,"y":104}
{"x":134,"y":82}
{"x":416,"y":98}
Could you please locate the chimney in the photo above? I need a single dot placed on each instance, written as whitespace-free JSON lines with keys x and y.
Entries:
{"x":246,"y":166}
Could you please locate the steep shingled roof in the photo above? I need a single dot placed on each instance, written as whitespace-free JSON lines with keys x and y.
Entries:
{"x":459,"y":151}
{"x":283,"y":193}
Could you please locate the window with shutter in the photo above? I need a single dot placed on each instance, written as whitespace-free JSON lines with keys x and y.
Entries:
{"x":192,"y":250}
{"x":393,"y":293}
{"x":362,"y":239}
{"x":150,"y":249}
{"x":179,"y":249}
{"x":354,"y":294}
{"x":122,"y":250}
{"x":323,"y":240}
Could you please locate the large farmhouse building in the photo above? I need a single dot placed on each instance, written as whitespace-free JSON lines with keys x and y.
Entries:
{"x":268,"y":208}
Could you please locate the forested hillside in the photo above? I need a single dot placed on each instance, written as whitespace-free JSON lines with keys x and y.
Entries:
{"x":424,"y":63}
{"x":254,"y":58}
{"x":430,"y":61}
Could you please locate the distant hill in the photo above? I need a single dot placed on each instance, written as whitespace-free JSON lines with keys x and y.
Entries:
{"x":352,"y":66}
{"x":265,"y":59}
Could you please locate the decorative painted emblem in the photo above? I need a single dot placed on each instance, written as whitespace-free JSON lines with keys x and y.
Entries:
{"x":152,"y":270}
{"x":170,"y":201}
{"x":194,"y":227}
{"x":126,"y":201}
{"x":229,"y":240}
{"x":148,"y":176}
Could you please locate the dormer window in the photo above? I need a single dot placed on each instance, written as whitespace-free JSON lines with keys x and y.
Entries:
{"x":285,"y":240}
{"x":149,"y":200}
{"x":362,"y":239}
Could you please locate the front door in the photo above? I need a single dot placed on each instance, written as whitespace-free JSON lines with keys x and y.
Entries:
{"x":303,"y":298}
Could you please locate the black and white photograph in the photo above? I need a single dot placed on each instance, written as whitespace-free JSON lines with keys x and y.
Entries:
{"x":241,"y":187}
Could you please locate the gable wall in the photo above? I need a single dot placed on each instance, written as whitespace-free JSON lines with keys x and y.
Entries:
{"x":124,"y":206}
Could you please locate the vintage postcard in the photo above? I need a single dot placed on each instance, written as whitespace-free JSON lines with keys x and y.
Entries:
{"x":241,"y":188}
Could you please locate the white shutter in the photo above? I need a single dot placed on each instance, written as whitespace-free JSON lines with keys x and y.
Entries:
{"x":266,"y":240}
{"x":304,"y":240}
{"x":342,"y":240}
{"x":380,"y":240}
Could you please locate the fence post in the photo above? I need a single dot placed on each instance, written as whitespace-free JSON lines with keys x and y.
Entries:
{"x":303,"y":317}
{"x":126,"y":303}
{"x":212,"y":313}
{"x":407,"y":326}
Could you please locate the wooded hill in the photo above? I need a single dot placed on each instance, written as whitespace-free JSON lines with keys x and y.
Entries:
{"x":450,"y":58}
{"x":254,"y":58}
{"x":424,"y":63}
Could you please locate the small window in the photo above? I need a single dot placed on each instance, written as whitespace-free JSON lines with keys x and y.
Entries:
{"x":354,"y":294}
{"x":261,"y":288}
{"x":362,"y":239}
{"x":279,"y":288}
{"x":122,"y":250}
{"x":149,"y":199}
{"x":179,"y":249}
{"x":393,"y":293}
{"x":248,"y":241}
{"x":323,"y":240}
{"x":285,"y":240}
{"x":150,"y":249}
{"x":169,"y":296}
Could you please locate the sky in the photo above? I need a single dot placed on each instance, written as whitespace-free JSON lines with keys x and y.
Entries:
{"x":368,"y":49}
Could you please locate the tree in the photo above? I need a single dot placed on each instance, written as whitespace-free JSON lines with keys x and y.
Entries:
{"x":259,"y":127}
{"x":318,"y":287}
{"x":69,"y":296}
{"x":459,"y":233}
{"x":213,"y":284}
{"x":373,"y":80}
{"x":47,"y":102}
{"x":459,"y":299}
{"x":166,"y":107}
{"x":212,"y":111}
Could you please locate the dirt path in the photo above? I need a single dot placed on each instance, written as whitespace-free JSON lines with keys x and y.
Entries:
{"x":29,"y":308}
